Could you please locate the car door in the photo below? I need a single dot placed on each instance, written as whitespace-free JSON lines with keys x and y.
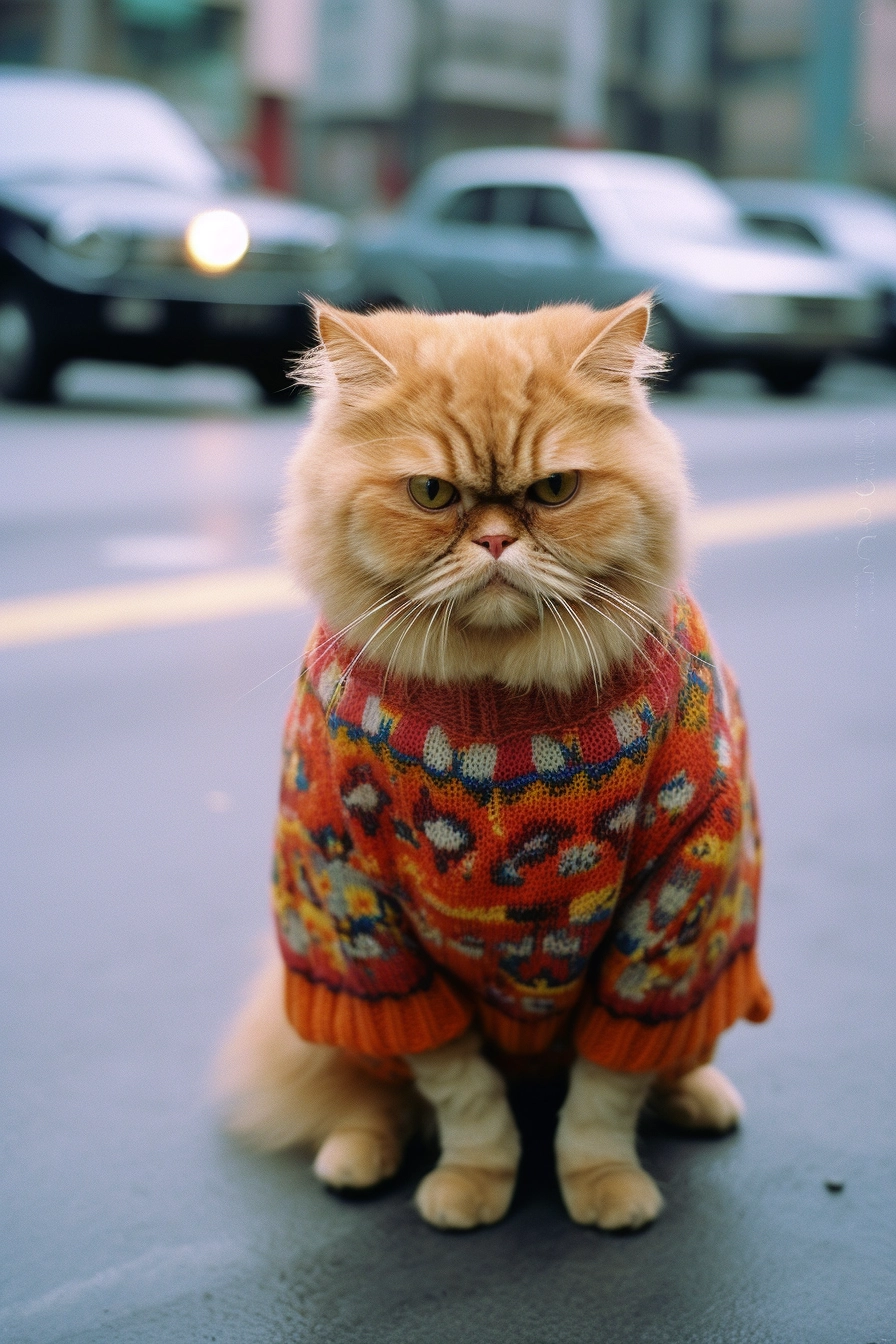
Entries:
{"x":455,"y":249}
{"x":507,"y":246}
{"x":549,"y":251}
{"x":512,"y":247}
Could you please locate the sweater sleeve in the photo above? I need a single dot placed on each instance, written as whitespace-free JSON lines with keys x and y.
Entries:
{"x":357,"y":977}
{"x":678,"y":965}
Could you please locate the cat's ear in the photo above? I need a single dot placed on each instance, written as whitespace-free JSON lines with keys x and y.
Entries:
{"x":618,"y":351}
{"x":354,"y":361}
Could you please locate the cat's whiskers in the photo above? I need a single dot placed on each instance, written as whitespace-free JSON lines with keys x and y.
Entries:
{"x":446,"y":625}
{"x":639,"y":578}
{"x":439,"y":577}
{"x":321,"y":649}
{"x":549,"y":569}
{"x":292,"y":662}
{"x":611,"y":594}
{"x":328,"y":644}
{"x":637,"y":613}
{"x":436,"y":611}
{"x":343,"y":680}
{"x":407,"y":622}
{"x":596,"y":671}
{"x":637,"y":645}
{"x":565,"y":586}
{"x":561,"y":625}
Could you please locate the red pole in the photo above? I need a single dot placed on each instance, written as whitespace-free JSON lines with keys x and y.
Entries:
{"x":272,"y":141}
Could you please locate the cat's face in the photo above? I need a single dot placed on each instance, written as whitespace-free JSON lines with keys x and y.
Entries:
{"x":487,"y":496}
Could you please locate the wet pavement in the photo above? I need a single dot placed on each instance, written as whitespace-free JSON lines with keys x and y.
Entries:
{"x":139,"y":778}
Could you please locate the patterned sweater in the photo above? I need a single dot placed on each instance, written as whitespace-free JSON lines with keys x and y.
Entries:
{"x":558,"y":870}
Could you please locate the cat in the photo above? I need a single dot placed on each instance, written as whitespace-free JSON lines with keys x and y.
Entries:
{"x":517,"y":820}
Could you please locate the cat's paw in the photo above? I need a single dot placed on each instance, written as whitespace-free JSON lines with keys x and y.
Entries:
{"x":614,"y":1196}
{"x":353,"y":1159}
{"x":463,"y":1197}
{"x":703,"y":1099}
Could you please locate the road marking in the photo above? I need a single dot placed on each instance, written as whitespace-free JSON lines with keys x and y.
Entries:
{"x":795,"y":515}
{"x":227,"y":593}
{"x":146,"y":606}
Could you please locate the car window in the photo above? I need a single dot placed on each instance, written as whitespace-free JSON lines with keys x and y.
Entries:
{"x":54,"y":130}
{"x":518,"y":206}
{"x":792,"y":230}
{"x":469,"y":207}
{"x":671,"y":200}
{"x":554,"y":208}
{"x":512,"y":206}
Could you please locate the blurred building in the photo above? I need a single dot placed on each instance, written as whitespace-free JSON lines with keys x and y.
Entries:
{"x":344,"y":100}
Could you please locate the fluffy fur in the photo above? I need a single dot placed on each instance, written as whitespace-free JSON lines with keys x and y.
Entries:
{"x":491,"y":405}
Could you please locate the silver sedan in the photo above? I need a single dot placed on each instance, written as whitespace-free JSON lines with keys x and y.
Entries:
{"x":510,"y":229}
{"x":852,"y":223}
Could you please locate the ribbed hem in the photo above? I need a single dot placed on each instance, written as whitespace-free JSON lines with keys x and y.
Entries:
{"x":637,"y":1047}
{"x":378,"y":1028}
{"x":518,"y":1038}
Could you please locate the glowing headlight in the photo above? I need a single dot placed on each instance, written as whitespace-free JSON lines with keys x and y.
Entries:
{"x":216,"y":240}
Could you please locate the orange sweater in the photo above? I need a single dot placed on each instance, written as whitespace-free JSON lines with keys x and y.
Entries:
{"x":552,"y":868}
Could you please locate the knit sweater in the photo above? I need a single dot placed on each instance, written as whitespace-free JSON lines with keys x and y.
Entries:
{"x":555,"y":869}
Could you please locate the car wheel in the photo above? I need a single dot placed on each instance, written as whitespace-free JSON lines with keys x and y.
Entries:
{"x":276,"y":383}
{"x":789,"y":377}
{"x":27,"y":368}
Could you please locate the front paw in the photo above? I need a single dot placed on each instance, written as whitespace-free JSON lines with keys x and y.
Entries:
{"x":353,"y":1159}
{"x":614,"y":1196}
{"x":703,"y":1099}
{"x":463,"y":1197}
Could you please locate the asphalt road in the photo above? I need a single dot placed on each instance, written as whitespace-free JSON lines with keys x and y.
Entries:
{"x":139,"y":773}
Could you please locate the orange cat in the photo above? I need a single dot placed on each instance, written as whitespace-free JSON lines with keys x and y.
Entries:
{"x":517,"y":821}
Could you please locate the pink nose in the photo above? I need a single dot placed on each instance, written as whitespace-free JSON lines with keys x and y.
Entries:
{"x":495,"y":545}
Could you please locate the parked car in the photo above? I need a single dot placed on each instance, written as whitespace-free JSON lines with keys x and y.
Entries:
{"x":514,"y":228}
{"x":120,"y":238}
{"x":851,"y":223}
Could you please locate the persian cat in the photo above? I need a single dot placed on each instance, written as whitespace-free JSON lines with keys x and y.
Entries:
{"x":517,"y":825}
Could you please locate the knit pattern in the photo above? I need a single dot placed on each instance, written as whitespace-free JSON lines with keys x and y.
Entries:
{"x":535,"y":864}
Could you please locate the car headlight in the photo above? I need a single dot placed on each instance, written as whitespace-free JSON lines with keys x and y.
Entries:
{"x":216,"y":240}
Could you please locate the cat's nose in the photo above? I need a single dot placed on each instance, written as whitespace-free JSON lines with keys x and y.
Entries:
{"x":495,"y":545}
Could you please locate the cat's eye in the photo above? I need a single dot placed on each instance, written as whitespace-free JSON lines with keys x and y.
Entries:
{"x":430,"y":492}
{"x":557,"y":488}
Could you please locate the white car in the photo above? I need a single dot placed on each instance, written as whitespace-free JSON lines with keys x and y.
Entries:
{"x":852,"y":223}
{"x":510,"y":229}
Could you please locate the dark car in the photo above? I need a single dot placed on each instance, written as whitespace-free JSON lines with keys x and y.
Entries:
{"x":121,"y":238}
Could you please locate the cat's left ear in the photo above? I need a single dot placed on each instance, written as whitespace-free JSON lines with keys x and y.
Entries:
{"x":618,"y":351}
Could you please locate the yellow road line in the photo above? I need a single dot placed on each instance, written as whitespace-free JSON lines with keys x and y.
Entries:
{"x":145,"y":606}
{"x":794,"y":515}
{"x":264,"y":588}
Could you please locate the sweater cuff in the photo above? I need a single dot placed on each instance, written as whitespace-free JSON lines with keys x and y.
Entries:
{"x":630,"y":1046}
{"x":378,"y":1028}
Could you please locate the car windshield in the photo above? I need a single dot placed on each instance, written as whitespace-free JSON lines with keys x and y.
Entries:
{"x":670,"y":200}
{"x":83,"y":131}
{"x":865,"y":229}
